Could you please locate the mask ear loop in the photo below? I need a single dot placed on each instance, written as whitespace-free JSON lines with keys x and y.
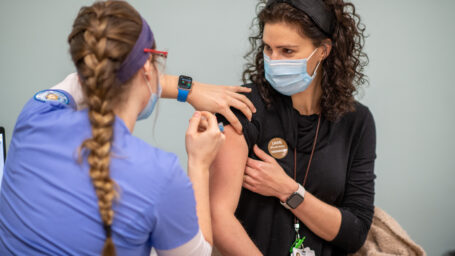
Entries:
{"x":311,"y":55}
{"x":148,"y":84}
{"x":316,"y":69}
{"x":317,"y":66}
{"x":159,"y":89}
{"x":158,"y":93}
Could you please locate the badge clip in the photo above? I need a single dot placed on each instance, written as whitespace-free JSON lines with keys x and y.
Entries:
{"x":298,"y":243}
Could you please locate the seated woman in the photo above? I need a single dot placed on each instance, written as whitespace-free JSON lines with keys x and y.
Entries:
{"x":78,"y":182}
{"x":306,"y":160}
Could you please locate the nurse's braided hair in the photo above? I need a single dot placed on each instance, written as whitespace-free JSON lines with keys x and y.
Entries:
{"x":342,"y":70}
{"x":103,"y":34}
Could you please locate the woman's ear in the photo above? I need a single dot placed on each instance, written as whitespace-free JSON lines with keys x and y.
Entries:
{"x":326,"y":48}
{"x":148,"y":67}
{"x":150,"y":74}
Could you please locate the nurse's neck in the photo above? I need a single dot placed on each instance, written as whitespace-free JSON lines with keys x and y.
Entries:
{"x":130,"y":107}
{"x":128,"y":117}
{"x":134,"y":101}
{"x":308,"y":102}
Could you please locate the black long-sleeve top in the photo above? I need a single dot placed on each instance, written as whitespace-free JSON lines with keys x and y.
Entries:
{"x":341,"y":174}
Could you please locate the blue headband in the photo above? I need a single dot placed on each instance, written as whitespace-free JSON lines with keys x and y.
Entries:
{"x":137,"y":56}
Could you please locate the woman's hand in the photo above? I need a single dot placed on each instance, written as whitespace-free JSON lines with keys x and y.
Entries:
{"x":267,"y":177}
{"x":203,"y":139}
{"x":219,"y":99}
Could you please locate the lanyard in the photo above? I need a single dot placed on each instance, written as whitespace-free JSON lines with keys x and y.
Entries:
{"x":299,"y":241}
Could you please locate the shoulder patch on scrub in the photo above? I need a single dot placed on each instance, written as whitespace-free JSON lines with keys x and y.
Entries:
{"x":51,"y":95}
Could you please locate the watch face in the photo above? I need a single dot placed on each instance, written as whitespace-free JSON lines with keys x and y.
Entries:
{"x":294,"y":200}
{"x":185,"y":82}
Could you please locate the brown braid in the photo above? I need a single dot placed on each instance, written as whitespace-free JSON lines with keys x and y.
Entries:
{"x":103,"y":35}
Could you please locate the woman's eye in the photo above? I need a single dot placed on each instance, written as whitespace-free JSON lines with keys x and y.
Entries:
{"x":288,"y":51}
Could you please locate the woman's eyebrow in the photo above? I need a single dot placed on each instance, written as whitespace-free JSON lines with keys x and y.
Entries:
{"x":282,"y":46}
{"x":287,"y":46}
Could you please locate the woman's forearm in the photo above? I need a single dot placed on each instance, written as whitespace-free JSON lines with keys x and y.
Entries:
{"x":169,"y":86}
{"x":321,"y":218}
{"x":199,"y":176}
{"x":266,"y":177}
{"x":230,"y":237}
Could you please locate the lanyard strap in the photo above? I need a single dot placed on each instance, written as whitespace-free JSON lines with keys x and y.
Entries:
{"x":296,"y":221}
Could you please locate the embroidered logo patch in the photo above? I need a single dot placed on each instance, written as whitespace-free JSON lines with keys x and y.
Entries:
{"x":278,"y":148}
{"x":51,"y":95}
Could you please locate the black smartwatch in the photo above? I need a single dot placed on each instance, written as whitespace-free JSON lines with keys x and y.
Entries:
{"x":184,"y":87}
{"x":295,"y":199}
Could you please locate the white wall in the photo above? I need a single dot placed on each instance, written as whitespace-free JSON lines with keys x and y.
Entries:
{"x":411,"y":92}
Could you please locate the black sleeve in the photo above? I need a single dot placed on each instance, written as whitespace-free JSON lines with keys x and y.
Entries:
{"x":357,"y":208}
{"x":251,"y":130}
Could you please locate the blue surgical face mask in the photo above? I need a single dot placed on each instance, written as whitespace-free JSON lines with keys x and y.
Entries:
{"x":288,"y":77}
{"x":147,"y":111}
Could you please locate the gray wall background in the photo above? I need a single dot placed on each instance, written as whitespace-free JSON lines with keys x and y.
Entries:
{"x":411,"y":93}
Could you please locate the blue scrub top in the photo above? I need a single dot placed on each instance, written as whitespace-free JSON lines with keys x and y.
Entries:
{"x":48,"y":204}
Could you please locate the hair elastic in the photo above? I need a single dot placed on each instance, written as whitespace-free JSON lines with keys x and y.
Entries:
{"x":107,"y":230}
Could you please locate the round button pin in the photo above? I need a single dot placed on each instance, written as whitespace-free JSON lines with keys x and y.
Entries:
{"x":278,"y":148}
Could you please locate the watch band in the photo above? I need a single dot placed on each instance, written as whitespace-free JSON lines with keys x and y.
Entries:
{"x":182,"y":95}
{"x":295,"y":199}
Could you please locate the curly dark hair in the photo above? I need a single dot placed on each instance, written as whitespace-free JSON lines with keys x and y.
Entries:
{"x":342,"y":70}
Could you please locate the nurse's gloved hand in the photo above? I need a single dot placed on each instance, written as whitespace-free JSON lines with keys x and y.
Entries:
{"x":203,"y":139}
{"x":219,"y":99}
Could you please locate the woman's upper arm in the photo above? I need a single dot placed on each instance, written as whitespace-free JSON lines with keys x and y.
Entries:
{"x":226,"y":174}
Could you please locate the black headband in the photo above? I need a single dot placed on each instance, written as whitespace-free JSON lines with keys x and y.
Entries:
{"x":316,"y":9}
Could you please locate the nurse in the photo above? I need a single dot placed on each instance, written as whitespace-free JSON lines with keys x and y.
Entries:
{"x":301,"y":177}
{"x":78,"y":182}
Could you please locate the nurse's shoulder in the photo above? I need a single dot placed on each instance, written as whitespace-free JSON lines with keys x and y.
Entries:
{"x":44,"y":106}
{"x":57,"y":98}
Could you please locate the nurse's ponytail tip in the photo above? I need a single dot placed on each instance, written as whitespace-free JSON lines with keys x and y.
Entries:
{"x":108,"y":248}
